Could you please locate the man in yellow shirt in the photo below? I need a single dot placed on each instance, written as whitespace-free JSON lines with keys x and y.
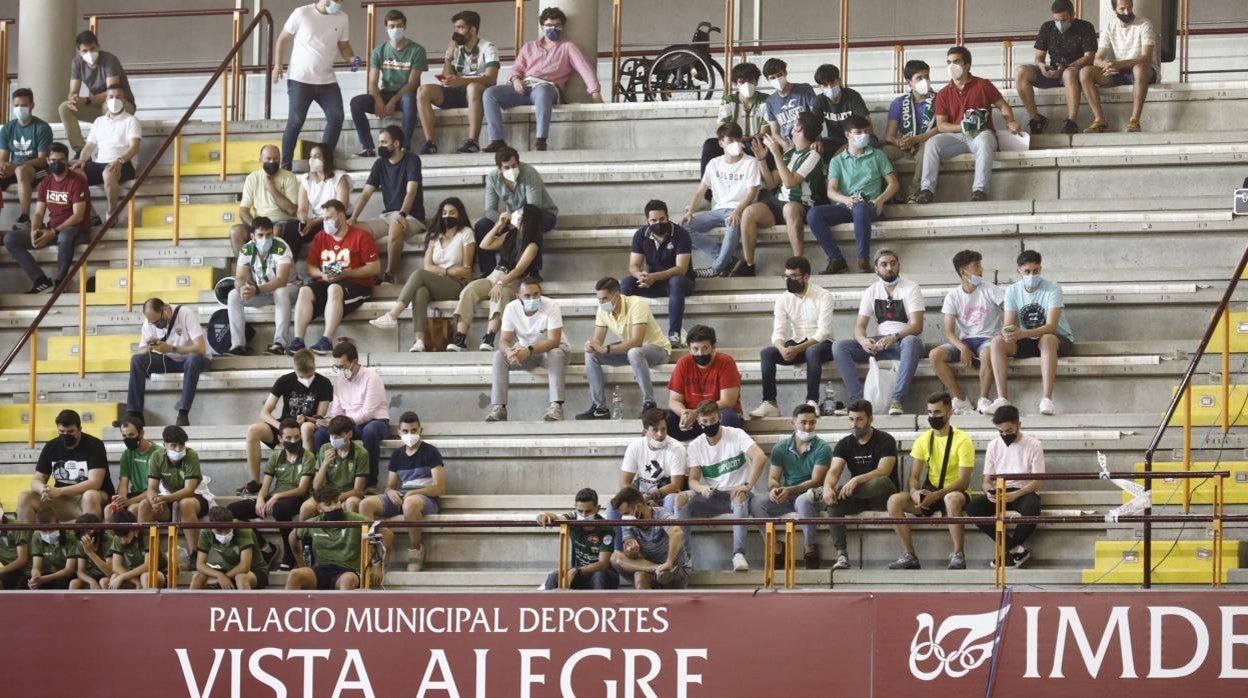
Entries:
{"x":642,"y":346}
{"x":273,"y":193}
{"x":941,"y":464}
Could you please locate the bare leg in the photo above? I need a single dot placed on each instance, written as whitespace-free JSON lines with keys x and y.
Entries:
{"x":756,"y":216}
{"x":795,"y":224}
{"x":333,"y":310}
{"x":1001,"y":353}
{"x":985,"y":370}
{"x":303,"y":311}
{"x":1070,"y":86}
{"x":1088,"y":79}
{"x":898,"y":505}
{"x":1139,"y":91}
{"x":943,"y":371}
{"x":1026,"y":92}
{"x":189,"y":509}
{"x":426,"y":97}
{"x":413,"y":510}
{"x":1048,"y":362}
{"x":238,"y":238}
{"x":256,"y":434}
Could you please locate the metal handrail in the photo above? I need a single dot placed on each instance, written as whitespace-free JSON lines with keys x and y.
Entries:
{"x":370,"y":31}
{"x":79,"y":267}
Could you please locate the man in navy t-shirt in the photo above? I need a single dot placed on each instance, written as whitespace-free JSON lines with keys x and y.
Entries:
{"x":396,"y":172}
{"x":659,"y":265}
{"x":417,"y":478}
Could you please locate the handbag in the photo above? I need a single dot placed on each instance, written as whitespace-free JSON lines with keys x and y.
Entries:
{"x":438,"y":331}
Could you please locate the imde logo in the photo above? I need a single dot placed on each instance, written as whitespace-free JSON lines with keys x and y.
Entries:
{"x":970,"y":639}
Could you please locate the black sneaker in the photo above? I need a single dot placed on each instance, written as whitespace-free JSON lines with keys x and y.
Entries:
{"x":540,"y":144}
{"x":238,"y":351}
{"x":836,"y":266}
{"x":706,"y":273}
{"x":494,"y":146}
{"x":595,"y":412}
{"x":1038,"y":124}
{"x":429,"y":148}
{"x":43,"y":285}
{"x":22,"y":223}
{"x":387,"y":278}
{"x":1019,"y":559}
{"x":251,"y":489}
{"x":743,"y":269}
{"x":367,"y":153}
{"x":184,"y":419}
{"x":979,"y":195}
{"x":286,"y":565}
{"x":924,"y":196}
{"x":96,"y":221}
{"x":487,"y":342}
{"x":275,"y":349}
{"x":647,"y":406}
{"x":470,"y":146}
{"x":459,"y":342}
{"x":1070,"y":128}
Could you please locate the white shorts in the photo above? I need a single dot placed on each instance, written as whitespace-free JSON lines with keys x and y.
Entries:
{"x":380,"y":227}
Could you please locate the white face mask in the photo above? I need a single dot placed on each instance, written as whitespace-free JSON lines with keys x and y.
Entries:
{"x":779,"y":81}
{"x":804,"y":436}
{"x":410,"y":440}
{"x":922,"y":87}
{"x":175,"y":456}
{"x":21,"y":113}
{"x":607,"y":307}
{"x":745,"y":90}
{"x":316,"y":165}
{"x":511,"y":175}
{"x":396,"y":34}
{"x":582,"y":517}
{"x":518,"y":217}
{"x":306,"y":382}
{"x":733,"y":149}
{"x":90,"y":57}
{"x":115,"y":105}
{"x":955,"y":70}
{"x":50,"y":538}
{"x":223,"y":538}
{"x":860,"y":140}
{"x":330,"y":225}
{"x":657,"y":445}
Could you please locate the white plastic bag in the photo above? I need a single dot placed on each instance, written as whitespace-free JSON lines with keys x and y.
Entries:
{"x":879,"y":385}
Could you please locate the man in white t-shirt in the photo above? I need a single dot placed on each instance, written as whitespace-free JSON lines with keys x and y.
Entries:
{"x":655,"y":464}
{"x":972,"y":312}
{"x":897,"y":306}
{"x":532,"y":336}
{"x":724,"y":466}
{"x":170,"y":341}
{"x":801,"y":334}
{"x":316,"y":30}
{"x":108,"y":157}
{"x":1014,"y":455}
{"x":1126,"y":54}
{"x":733,"y":180}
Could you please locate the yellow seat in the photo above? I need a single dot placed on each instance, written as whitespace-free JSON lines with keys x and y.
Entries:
{"x":1239,"y":335}
{"x":1181,"y":562}
{"x":1207,"y":406}
{"x":170,"y":284}
{"x":10,"y":487}
{"x":222,"y":215}
{"x":106,"y":353}
{"x":96,"y":416}
{"x":242,"y":156}
{"x":1170,"y":490}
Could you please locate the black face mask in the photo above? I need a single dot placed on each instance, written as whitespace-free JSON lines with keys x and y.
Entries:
{"x":161,"y":324}
{"x":937,"y":423}
{"x":459,"y":38}
{"x":271,"y":168}
{"x":661,"y":229}
{"x":1008,"y":438}
{"x":70,"y":440}
{"x":292,"y":446}
{"x":58,"y":167}
{"x":132,"y":444}
{"x":450,"y":223}
{"x":384,"y":152}
{"x":702,"y":359}
{"x":711,"y":429}
{"x":794,"y":285}
{"x":335,"y":515}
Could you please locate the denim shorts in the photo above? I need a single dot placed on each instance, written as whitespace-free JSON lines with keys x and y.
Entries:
{"x":972,"y":343}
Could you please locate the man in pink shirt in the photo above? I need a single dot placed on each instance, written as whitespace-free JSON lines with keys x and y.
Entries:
{"x":538,"y":77}
{"x":360,"y":395}
{"x":1013,"y":456}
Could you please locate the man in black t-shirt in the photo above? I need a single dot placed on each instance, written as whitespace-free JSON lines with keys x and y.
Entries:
{"x":396,"y":173}
{"x":78,"y":464}
{"x":1063,"y":46}
{"x":305,"y":396}
{"x":871,"y":457}
{"x":591,"y":547}
{"x":659,"y":265}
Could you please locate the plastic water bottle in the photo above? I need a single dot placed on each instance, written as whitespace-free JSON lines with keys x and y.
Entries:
{"x":355,"y":63}
{"x":617,"y":404}
{"x":830,"y":404}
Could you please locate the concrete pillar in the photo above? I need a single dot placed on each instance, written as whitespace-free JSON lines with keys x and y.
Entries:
{"x":582,"y":30}
{"x":45,"y":47}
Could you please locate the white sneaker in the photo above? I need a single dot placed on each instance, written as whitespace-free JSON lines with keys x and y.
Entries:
{"x":384,"y":322}
{"x":417,"y":346}
{"x":813,"y":403}
{"x":739,"y":563}
{"x":554,"y":413}
{"x":984,"y":406}
{"x":996,"y":405}
{"x":961,"y":406}
{"x":765,"y":409}
{"x":1047,"y":406}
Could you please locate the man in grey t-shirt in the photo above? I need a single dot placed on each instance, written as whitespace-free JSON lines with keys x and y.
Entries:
{"x":656,"y":556}
{"x":97,"y":70}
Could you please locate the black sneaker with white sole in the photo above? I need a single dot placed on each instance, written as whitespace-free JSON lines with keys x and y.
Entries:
{"x":459,"y":342}
{"x":595,"y":412}
{"x":43,"y":285}
{"x":487,"y":342}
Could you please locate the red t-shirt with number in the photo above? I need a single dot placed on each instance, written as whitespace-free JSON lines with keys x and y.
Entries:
{"x":354,"y":251}
{"x":696,"y":384}
{"x":59,"y":197}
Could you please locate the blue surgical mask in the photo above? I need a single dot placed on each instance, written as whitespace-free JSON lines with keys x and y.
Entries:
{"x":330,"y":225}
{"x":607,"y":307}
{"x":552,"y":33}
{"x":263,"y":245}
{"x":975,"y":280}
{"x":332,"y":8}
{"x":860,"y":140}
{"x":21,"y":113}
{"x":1030,"y":282}
{"x":396,"y":34}
{"x":337,"y":442}
{"x":530,"y":305}
{"x":833,"y":93}
{"x":1125,"y":18}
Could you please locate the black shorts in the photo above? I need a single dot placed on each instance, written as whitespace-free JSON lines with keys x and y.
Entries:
{"x":95,"y":172}
{"x":353,"y":296}
{"x":939,"y":507}
{"x":327,"y":576}
{"x":776,"y":206}
{"x":203,"y":504}
{"x":13,"y":581}
{"x":1030,"y":348}
{"x":262,"y":579}
{"x":6,"y":182}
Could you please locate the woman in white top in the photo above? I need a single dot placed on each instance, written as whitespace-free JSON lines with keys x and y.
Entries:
{"x":449,"y":251}
{"x":322,"y":183}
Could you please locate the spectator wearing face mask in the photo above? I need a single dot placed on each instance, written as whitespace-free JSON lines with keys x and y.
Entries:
{"x":516,"y":239}
{"x":62,"y":213}
{"x":71,"y":476}
{"x":305,"y":396}
{"x":870,"y":457}
{"x":170,"y":341}
{"x":912,"y":121}
{"x":733,"y":180}
{"x":228,"y":558}
{"x":25,"y":141}
{"x":175,"y":482}
{"x":342,"y":465}
{"x":786,"y":101}
{"x":360,"y":395}
{"x":97,"y":71}
{"x":801,"y":335}
{"x":271,"y":193}
{"x":509,"y":187}
{"x":1014,"y":456}
{"x":702,"y":375}
{"x":394,"y":70}
{"x":323,"y":182}
{"x":743,"y":106}
{"x":263,"y":276}
{"x":799,"y":463}
{"x":135,"y":463}
{"x":417,"y":478}
{"x":834,"y":104}
{"x":396,"y":174}
{"x":641,"y":346}
{"x":659,"y":264}
{"x":1035,"y":325}
{"x":108,"y":157}
{"x":287,"y":483}
{"x":53,"y":554}
{"x":469,"y":66}
{"x":532,"y":336}
{"x":591,"y":546}
{"x":972,"y":311}
{"x":342,"y":263}
{"x":1064,"y":45}
{"x":1126,"y":54}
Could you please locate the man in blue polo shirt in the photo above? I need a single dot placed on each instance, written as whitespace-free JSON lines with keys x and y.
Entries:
{"x":417,"y":478}
{"x":799,"y":463}
{"x":659,"y":265}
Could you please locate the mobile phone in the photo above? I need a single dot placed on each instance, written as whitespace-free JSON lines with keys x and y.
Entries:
{"x":440,"y":77}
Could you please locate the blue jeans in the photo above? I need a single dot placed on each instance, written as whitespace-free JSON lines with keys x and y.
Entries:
{"x":17,"y":242}
{"x":144,"y":365}
{"x":372,"y":433}
{"x":504,"y":96}
{"x":641,"y":359}
{"x":488,"y":259}
{"x":822,"y":218}
{"x":699,"y":507}
{"x":677,"y":288}
{"x":848,"y":353}
{"x":761,"y":507}
{"x":814,"y":358}
{"x":363,"y":105}
{"x":300,"y":96}
{"x":705,"y":222}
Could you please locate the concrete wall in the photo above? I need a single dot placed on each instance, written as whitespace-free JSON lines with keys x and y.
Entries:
{"x":650,"y":22}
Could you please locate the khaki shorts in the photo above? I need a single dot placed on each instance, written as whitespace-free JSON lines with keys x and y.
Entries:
{"x":68,"y":508}
{"x":380,"y":227}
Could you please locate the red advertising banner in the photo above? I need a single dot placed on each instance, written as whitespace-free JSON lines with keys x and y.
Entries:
{"x":625,"y":645}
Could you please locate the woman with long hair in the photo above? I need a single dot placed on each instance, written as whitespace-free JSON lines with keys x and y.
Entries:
{"x":517,"y":239}
{"x":321,"y":183}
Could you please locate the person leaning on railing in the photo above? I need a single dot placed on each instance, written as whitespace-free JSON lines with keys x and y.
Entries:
{"x":656,"y":556}
{"x":97,"y":71}
{"x":591,"y":548}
